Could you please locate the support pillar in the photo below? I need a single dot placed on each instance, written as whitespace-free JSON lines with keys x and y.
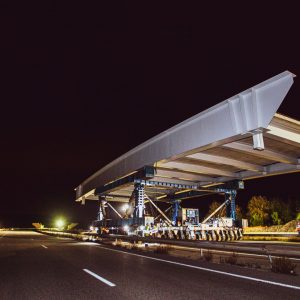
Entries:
{"x":230,"y":206}
{"x":102,"y":212}
{"x":175,"y":211}
{"x":139,"y":196}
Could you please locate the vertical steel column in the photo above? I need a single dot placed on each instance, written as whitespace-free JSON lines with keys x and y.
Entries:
{"x":139,"y":196}
{"x":228,"y":205}
{"x":175,"y":211}
{"x":232,"y":205}
{"x":101,"y":213}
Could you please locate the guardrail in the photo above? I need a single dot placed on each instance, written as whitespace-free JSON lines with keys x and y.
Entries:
{"x":16,"y":229}
{"x":272,"y":233}
{"x":80,"y":236}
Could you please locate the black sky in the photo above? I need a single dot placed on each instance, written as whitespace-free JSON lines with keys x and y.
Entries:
{"x":82,"y":84}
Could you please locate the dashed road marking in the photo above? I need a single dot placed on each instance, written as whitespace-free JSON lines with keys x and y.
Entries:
{"x":99,"y":277}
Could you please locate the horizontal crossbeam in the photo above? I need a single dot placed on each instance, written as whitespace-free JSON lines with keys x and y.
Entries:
{"x":198,"y":169}
{"x":226,"y":161}
{"x":267,"y":154}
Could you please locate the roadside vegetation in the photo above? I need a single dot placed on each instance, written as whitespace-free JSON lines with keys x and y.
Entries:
{"x":273,"y":216}
{"x":207,"y":255}
{"x":288,"y":227}
{"x":283,"y":265}
{"x":266,"y":214}
{"x":232,"y":259}
{"x":273,"y":212}
{"x":162,"y":249}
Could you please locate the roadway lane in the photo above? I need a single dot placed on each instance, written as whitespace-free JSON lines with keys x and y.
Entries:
{"x":35,"y":266}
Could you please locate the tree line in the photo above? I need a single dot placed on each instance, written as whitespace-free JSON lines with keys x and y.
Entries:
{"x":262,"y":211}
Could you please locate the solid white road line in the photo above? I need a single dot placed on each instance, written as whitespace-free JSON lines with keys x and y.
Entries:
{"x":44,"y":246}
{"x":99,"y":277}
{"x":210,"y":270}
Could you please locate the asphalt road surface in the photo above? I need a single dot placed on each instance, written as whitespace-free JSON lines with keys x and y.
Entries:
{"x":36,"y":266}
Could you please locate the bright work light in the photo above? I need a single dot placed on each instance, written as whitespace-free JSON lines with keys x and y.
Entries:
{"x":60,"y":223}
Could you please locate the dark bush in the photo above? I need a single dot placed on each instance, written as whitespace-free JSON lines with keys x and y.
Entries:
{"x":162,"y":250}
{"x":135,"y":247}
{"x":232,"y":260}
{"x":283,"y":265}
{"x":207,"y":255}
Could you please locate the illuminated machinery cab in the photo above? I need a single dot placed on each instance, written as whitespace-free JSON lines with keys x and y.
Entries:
{"x":190,"y":216}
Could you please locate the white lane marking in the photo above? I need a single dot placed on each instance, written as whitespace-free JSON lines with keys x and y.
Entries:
{"x":99,"y":277}
{"x":211,"y":270}
{"x":44,"y":246}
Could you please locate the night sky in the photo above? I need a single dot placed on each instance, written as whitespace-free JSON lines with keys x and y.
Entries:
{"x":83,"y":84}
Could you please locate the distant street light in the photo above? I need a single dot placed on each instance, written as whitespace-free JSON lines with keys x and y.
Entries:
{"x":60,"y":223}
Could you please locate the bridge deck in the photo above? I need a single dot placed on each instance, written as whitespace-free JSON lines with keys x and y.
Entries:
{"x":211,"y":148}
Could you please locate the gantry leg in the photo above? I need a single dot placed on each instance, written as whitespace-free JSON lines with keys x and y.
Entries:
{"x":139,"y":197}
{"x":230,"y":206}
{"x":102,"y":211}
{"x":175,"y":211}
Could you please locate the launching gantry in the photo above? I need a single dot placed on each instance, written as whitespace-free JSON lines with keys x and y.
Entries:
{"x":215,"y":151}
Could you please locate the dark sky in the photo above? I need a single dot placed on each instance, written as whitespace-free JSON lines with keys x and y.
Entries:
{"x":82,"y":84}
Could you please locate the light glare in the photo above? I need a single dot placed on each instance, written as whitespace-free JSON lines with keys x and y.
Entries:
{"x":60,"y":223}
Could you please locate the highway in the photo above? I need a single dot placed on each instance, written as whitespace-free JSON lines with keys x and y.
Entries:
{"x":36,"y":266}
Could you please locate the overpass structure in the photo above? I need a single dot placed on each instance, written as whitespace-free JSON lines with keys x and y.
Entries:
{"x":215,"y":151}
